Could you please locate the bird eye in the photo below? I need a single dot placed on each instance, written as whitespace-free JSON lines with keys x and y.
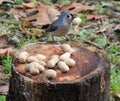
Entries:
{"x":69,"y":16}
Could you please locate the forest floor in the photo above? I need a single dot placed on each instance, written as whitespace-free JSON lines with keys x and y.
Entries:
{"x":21,"y":24}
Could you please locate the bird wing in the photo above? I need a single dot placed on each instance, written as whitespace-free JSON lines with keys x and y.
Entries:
{"x":51,"y":28}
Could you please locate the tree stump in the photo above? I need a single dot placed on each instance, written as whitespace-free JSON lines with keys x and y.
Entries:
{"x":88,"y":80}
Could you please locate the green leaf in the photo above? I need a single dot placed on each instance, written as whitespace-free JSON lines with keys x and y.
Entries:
{"x":107,"y":4}
{"x":84,"y":19}
{"x":2,"y":98}
{"x":58,"y":38}
{"x":7,"y":61}
{"x":115,"y":79}
{"x":99,"y":8}
{"x":100,"y":41}
{"x":83,"y":32}
{"x":64,"y":2}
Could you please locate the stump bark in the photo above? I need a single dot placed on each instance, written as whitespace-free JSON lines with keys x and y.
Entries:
{"x":88,"y":80}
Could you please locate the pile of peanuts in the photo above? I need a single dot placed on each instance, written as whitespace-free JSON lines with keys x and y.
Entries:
{"x":39,"y":63}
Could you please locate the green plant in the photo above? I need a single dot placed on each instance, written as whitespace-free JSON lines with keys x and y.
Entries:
{"x":64,"y":2}
{"x":106,"y":4}
{"x":33,"y":1}
{"x":2,"y":98}
{"x":100,"y":41}
{"x":24,"y":41}
{"x":113,"y":52}
{"x":6,"y":6}
{"x":17,"y":2}
{"x":115,"y":79}
{"x":84,"y":19}
{"x":7,"y":62}
{"x":99,"y":8}
{"x":48,"y":2}
{"x":84,"y":34}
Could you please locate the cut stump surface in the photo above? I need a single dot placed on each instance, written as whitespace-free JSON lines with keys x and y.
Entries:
{"x":88,"y":80}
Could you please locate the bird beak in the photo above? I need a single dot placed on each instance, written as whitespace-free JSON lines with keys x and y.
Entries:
{"x":73,"y":16}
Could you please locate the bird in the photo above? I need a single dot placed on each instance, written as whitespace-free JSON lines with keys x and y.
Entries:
{"x":62,"y":25}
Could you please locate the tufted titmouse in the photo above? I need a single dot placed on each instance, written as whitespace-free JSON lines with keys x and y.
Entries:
{"x":62,"y":25}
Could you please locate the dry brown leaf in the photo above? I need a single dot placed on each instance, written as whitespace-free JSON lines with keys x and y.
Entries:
{"x":46,"y":15}
{"x":18,"y":12}
{"x":32,"y":11}
{"x":27,"y":28}
{"x":94,"y":16}
{"x":92,"y":49}
{"x":4,"y":89}
{"x":42,"y":14}
{"x":2,"y":1}
{"x":5,"y":51}
{"x":26,"y":24}
{"x":117,"y":27}
{"x":28,"y":5}
{"x":76,"y":7}
{"x":31,"y":31}
{"x":39,"y":15}
{"x":3,"y":41}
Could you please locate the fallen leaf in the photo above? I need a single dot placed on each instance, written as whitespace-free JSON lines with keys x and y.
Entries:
{"x":28,"y":5}
{"x":39,"y":15}
{"x":94,"y":16}
{"x":18,"y":13}
{"x":26,"y":24}
{"x":117,"y":27}
{"x":4,"y":89}
{"x":5,"y":51}
{"x":92,"y":48}
{"x":46,"y":15}
{"x":3,"y":41}
{"x":30,"y":12}
{"x":76,"y":7}
{"x":2,"y":1}
{"x":42,"y":14}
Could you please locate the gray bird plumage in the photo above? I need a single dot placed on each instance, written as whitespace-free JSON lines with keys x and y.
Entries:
{"x":62,"y":25}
